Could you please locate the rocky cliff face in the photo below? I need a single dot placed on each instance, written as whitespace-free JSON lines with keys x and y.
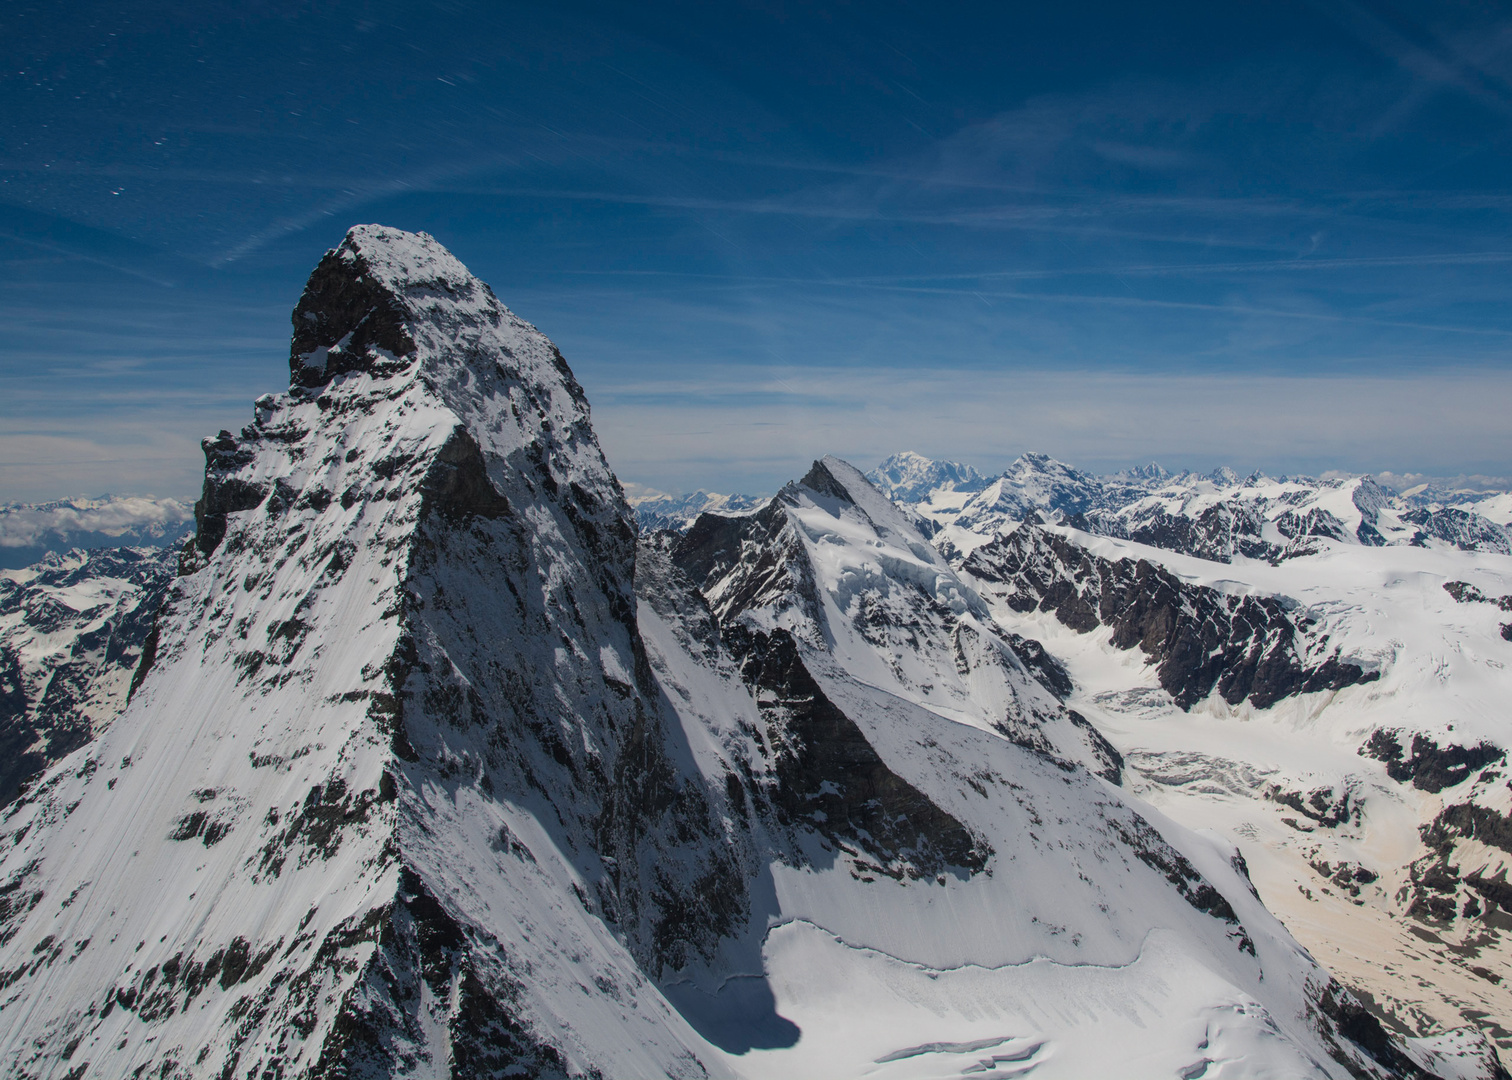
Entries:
{"x":432,"y":770}
{"x":1244,"y":647}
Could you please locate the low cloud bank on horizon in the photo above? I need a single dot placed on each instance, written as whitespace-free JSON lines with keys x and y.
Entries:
{"x":29,"y":526}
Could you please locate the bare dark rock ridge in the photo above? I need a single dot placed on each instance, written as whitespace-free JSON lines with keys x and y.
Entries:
{"x":831,"y":779}
{"x":1201,"y":640}
{"x":1427,"y":765}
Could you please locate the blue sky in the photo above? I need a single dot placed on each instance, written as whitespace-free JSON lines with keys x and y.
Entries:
{"x":1270,"y":235}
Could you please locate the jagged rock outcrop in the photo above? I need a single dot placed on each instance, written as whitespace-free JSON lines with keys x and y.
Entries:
{"x":1427,"y":765}
{"x":72,"y":630}
{"x":1243,"y":647}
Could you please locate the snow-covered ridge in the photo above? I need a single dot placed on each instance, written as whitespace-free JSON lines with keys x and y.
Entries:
{"x":835,"y":564}
{"x":677,"y":512}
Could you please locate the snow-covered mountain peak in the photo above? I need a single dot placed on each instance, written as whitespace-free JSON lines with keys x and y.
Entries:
{"x":909,"y":477}
{"x":846,"y":572}
{"x":409,"y":593}
{"x":833,"y":483}
{"x":1152,"y":473}
{"x":384,"y":299}
{"x":1034,"y":483}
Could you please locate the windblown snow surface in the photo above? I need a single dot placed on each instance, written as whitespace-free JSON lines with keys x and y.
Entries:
{"x":432,"y":770}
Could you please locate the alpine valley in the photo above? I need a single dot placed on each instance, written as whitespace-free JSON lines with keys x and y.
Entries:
{"x":428,"y":755}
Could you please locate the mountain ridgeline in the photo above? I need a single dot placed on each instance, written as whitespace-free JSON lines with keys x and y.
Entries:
{"x":432,"y":766}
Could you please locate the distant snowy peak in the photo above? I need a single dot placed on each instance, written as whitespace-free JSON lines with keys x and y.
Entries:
{"x":1218,"y":515}
{"x":1153,"y":473}
{"x":1492,"y":503}
{"x":677,"y":512}
{"x":28,"y":531}
{"x":911,"y":478}
{"x":1034,"y":484}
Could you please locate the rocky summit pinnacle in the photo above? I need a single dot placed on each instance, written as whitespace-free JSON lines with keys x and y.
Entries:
{"x":432,"y":767}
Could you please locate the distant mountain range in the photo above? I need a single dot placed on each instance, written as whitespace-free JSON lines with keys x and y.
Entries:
{"x":1216,"y":515}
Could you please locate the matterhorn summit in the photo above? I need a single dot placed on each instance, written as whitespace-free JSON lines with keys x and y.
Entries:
{"x":432,"y":766}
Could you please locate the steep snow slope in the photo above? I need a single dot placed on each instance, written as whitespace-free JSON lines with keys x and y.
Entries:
{"x":72,"y":629}
{"x":414,"y":784}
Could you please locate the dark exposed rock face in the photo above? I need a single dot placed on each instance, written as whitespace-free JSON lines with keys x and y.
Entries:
{"x":1046,"y":669}
{"x":829,"y":777}
{"x":1465,"y":530}
{"x":1243,"y":647}
{"x":1324,"y":806}
{"x":347,"y":320}
{"x":224,"y":492}
{"x":52,"y":706}
{"x":714,"y":546}
{"x":1340,"y":1014}
{"x":1470,"y":821}
{"x":424,"y":952}
{"x":1218,"y":533}
{"x":1429,"y":766}
{"x":1465,"y":593}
